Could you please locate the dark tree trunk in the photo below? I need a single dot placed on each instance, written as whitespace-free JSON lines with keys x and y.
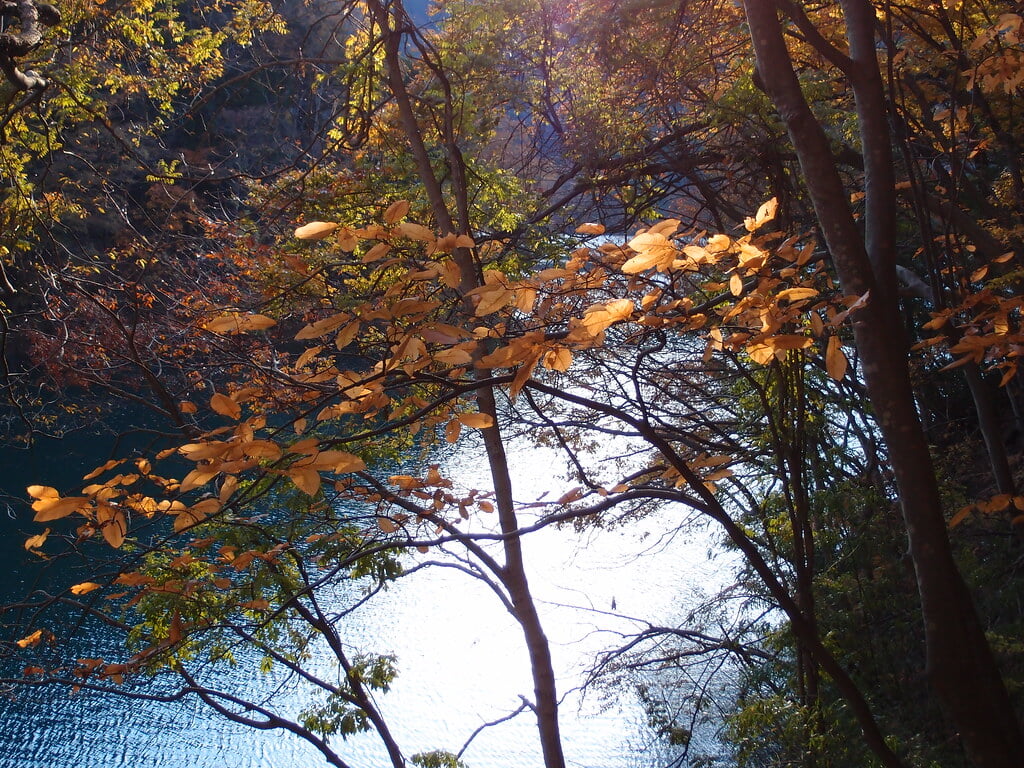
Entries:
{"x":960,"y":663}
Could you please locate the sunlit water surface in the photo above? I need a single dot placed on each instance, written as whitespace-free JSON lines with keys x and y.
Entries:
{"x":461,"y":658}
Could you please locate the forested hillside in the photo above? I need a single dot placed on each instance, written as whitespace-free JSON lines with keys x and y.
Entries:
{"x":757,"y":262}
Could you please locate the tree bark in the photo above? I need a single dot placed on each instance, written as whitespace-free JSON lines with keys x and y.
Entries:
{"x":513,"y":573}
{"x":961,"y":666}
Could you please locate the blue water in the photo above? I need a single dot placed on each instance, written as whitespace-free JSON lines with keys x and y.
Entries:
{"x":460,"y":655}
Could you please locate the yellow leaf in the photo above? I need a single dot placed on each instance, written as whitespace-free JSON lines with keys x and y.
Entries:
{"x":665,"y":227}
{"x":653,"y":250}
{"x":35,"y":542}
{"x":225,"y":406}
{"x":835,"y":360}
{"x":96,"y":472}
{"x":396,"y":211}
{"x":315,"y":230}
{"x":476,"y":420}
{"x":84,"y":588}
{"x":735,"y":284}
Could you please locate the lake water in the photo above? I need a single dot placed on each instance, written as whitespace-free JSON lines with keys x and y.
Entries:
{"x":461,"y":657}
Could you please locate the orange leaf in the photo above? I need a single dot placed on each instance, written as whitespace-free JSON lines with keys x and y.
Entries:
{"x":315,"y":230}
{"x":590,"y":229}
{"x":415,"y":232}
{"x":452,"y":430}
{"x":225,"y":406}
{"x":396,"y":211}
{"x":34,"y":542}
{"x":113,"y":525}
{"x":961,"y":515}
{"x":493,"y":299}
{"x":84,"y":588}
{"x":54,"y":509}
{"x":835,"y":360}
{"x":199,"y":476}
{"x":476,"y":420}
{"x":235,"y":323}
{"x":46,"y":492}
{"x":378,"y":252}
{"x":323,"y":327}
{"x":32,"y":639}
{"x":305,"y":479}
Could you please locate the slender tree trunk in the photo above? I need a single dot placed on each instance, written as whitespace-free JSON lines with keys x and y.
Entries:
{"x":513,"y":574}
{"x":960,"y":663}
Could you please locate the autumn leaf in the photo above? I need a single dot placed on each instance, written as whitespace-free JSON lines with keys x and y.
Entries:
{"x":35,"y":542}
{"x":315,"y":230}
{"x":199,"y":476}
{"x":376,"y":253}
{"x":558,"y":359}
{"x":764,"y":214}
{"x":590,"y":229}
{"x":234,"y":323}
{"x":323,"y":327}
{"x":225,"y":406}
{"x":112,"y":524}
{"x":835,"y":360}
{"x":386,"y":525}
{"x":84,"y":588}
{"x":52,"y":508}
{"x":305,"y":479}
{"x":415,"y":232}
{"x":493,"y":299}
{"x":476,"y":420}
{"x":29,"y":640}
{"x":396,"y":211}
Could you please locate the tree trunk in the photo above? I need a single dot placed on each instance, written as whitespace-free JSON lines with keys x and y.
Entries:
{"x":960,"y":663}
{"x":513,"y":574}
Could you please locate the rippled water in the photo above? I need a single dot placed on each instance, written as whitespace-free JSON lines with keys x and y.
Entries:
{"x":461,"y":662}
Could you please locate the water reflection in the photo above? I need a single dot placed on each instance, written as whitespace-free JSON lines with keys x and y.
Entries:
{"x":461,"y":663}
